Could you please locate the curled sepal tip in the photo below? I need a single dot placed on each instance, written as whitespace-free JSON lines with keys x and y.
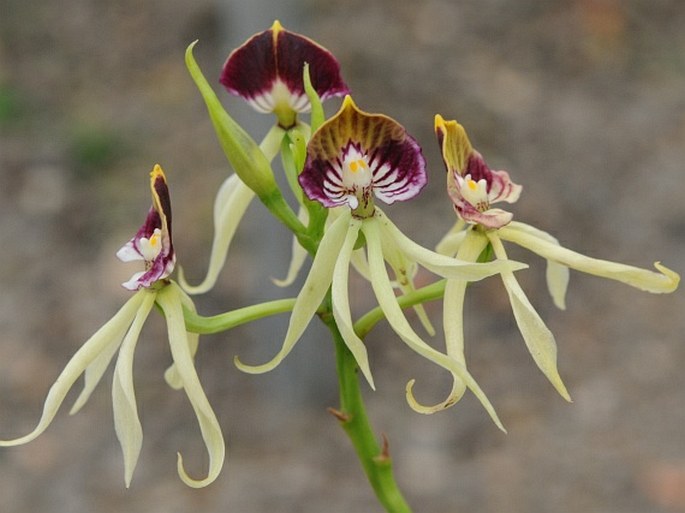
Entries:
{"x":662,"y":282}
{"x":170,"y":300}
{"x":387,"y":300}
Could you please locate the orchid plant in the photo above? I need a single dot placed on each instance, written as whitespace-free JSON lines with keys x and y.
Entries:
{"x":339,"y":170}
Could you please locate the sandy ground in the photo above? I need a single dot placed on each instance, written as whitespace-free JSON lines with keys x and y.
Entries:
{"x":583,"y":102}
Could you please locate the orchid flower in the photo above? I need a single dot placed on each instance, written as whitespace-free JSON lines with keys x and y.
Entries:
{"x":152,"y":244}
{"x":473,"y":187}
{"x":353,"y":159}
{"x":267,"y":72}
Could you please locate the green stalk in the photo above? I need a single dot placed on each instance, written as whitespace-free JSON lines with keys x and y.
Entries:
{"x":374,"y":457}
{"x":428,"y":293}
{"x":225,"y":321}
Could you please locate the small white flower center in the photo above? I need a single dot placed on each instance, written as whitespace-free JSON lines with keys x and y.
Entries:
{"x":356,"y":172}
{"x":150,"y":248}
{"x":476,"y":193}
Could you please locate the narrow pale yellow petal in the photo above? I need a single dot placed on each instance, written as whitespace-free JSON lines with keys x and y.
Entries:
{"x":341,"y":302}
{"x":96,"y":369}
{"x":230,"y":205}
{"x":539,"y":339}
{"x":115,"y":327}
{"x":126,"y":421}
{"x":404,"y":269}
{"x":664,"y":281}
{"x":557,"y":274}
{"x":449,"y":244}
{"x":393,"y":313}
{"x":170,"y":300}
{"x":455,"y":290}
{"x":360,"y":264}
{"x":171,"y":375}
{"x":442,"y":265}
{"x":297,"y":257}
{"x":312,"y":293}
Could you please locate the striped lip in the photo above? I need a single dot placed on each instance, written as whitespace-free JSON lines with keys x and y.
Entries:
{"x":471,"y":184}
{"x":355,"y":156}
{"x":267,"y":71}
{"x":152,"y":243}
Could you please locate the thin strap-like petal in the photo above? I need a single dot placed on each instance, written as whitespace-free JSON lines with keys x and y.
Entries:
{"x":312,"y":293}
{"x":171,"y":375}
{"x":442,"y":265}
{"x":449,"y":244}
{"x":557,"y":274}
{"x":126,"y":421}
{"x":388,"y":303}
{"x":539,"y":339}
{"x":662,"y":282}
{"x":341,"y":302}
{"x":106,"y":335}
{"x":455,"y":290}
{"x":170,"y":300}
{"x":230,"y":205}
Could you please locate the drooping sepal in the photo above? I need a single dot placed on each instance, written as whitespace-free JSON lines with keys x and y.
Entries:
{"x":355,"y":156}
{"x":267,"y":70}
{"x":471,"y":184}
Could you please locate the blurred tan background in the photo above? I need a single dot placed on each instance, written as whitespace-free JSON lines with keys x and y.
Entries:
{"x":582,"y":101}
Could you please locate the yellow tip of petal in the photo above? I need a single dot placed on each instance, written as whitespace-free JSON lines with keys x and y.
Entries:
{"x":348,"y":103}
{"x":673,"y":276}
{"x":257,"y":369}
{"x":439,"y":123}
{"x":276,"y":27}
{"x":157,"y":172}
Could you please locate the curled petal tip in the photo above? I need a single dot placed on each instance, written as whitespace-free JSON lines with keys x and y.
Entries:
{"x":257,"y":369}
{"x":672,"y":276}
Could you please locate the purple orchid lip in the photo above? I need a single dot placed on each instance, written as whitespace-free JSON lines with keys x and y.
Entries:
{"x":152,"y":242}
{"x":471,"y":184}
{"x":355,"y":156}
{"x":267,"y":71}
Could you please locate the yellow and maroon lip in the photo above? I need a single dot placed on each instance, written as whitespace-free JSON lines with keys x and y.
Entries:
{"x":471,"y":184}
{"x":267,"y":71}
{"x":152,"y":243}
{"x":355,"y":156}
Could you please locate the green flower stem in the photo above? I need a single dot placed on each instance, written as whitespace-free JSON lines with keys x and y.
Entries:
{"x":374,"y":457}
{"x":428,"y":293}
{"x":225,"y":321}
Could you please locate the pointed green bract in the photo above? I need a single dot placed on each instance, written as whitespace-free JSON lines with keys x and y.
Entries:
{"x":241,"y":150}
{"x":317,"y":113}
{"x":248,"y":160}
